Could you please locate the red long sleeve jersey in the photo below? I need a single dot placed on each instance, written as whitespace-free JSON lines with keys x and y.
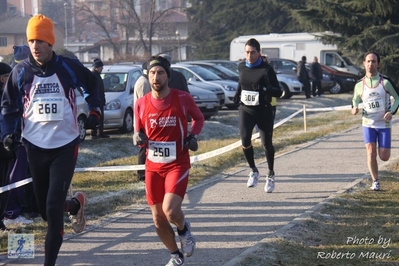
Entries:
{"x":164,"y":122}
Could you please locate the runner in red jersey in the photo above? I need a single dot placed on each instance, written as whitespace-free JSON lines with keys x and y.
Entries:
{"x":161,"y":125}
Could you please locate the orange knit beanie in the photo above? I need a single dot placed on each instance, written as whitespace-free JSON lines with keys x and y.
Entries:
{"x":40,"y":28}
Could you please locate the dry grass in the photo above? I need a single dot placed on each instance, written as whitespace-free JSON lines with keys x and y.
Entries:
{"x":359,"y":228}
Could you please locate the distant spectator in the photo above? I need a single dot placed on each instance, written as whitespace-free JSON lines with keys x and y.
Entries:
{"x":97,"y":69}
{"x":5,"y":156}
{"x":20,"y":200}
{"x":317,"y":75}
{"x":303,"y":76}
{"x":21,"y":52}
{"x":18,"y":172}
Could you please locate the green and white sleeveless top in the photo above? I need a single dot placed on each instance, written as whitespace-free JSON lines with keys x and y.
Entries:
{"x":376,"y":102}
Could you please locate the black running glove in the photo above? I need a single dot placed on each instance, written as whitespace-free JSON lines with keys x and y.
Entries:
{"x":11,"y":142}
{"x":191,"y":142}
{"x":236,"y":99}
{"x":94,"y":119}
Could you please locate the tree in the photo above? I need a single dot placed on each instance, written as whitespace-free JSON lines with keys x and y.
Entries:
{"x":54,"y":10}
{"x":217,"y":23}
{"x":92,"y":25}
{"x":131,"y":26}
{"x":363,"y":25}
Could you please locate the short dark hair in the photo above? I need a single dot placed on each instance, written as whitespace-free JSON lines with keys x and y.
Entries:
{"x":372,"y":52}
{"x":254,"y":43}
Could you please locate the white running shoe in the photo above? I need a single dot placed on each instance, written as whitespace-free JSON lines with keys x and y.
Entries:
{"x":269,"y":186}
{"x":375,"y":186}
{"x":175,"y":260}
{"x":253,"y":179}
{"x":79,"y":220}
{"x":18,"y":220}
{"x":187,"y":241}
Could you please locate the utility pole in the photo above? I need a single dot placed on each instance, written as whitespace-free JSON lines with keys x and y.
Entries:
{"x":66,"y":26}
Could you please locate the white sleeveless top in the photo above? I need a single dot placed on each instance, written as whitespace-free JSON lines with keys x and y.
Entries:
{"x":49,"y":119}
{"x":376,"y":102}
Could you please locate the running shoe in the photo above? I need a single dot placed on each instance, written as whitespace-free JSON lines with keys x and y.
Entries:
{"x":253,"y":179}
{"x":175,"y":260}
{"x":19,"y":220}
{"x":79,"y":220}
{"x":269,"y":186}
{"x":375,"y":186}
{"x":187,"y":241}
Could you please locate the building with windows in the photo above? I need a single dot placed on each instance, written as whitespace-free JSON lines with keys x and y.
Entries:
{"x":13,"y":32}
{"x":110,"y":30}
{"x":23,"y":8}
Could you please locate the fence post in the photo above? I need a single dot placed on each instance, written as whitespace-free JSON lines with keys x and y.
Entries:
{"x":304,"y":117}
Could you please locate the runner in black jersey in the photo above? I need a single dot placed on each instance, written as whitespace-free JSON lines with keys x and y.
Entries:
{"x":257,"y":85}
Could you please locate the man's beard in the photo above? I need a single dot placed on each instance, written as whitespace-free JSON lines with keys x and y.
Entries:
{"x":160,"y":88}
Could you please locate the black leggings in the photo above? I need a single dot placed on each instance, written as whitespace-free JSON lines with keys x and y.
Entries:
{"x":52,"y":172}
{"x":4,"y":181}
{"x":263,"y":117}
{"x":5,"y":159}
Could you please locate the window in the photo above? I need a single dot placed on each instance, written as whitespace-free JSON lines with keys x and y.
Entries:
{"x":93,"y":6}
{"x":332,"y":59}
{"x":163,"y":4}
{"x":186,"y":74}
{"x":12,"y":10}
{"x":104,"y":6}
{"x":134,"y":76}
{"x":301,"y":46}
{"x":114,"y":12}
{"x":3,"y":41}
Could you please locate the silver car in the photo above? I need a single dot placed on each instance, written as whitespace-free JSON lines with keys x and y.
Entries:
{"x":200,"y":74}
{"x":205,"y":100}
{"x":290,"y":85}
{"x":119,"y":83}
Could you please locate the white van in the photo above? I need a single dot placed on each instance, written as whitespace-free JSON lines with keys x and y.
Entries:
{"x":295,"y":45}
{"x":119,"y":83}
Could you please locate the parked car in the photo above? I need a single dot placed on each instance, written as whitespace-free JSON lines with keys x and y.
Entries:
{"x":345,"y":81}
{"x":209,"y":87}
{"x":284,"y":66}
{"x":82,"y":113}
{"x":289,"y":67}
{"x":119,"y":83}
{"x":290,"y":85}
{"x":200,"y":74}
{"x":207,"y":101}
{"x":222,"y":71}
{"x":232,"y":65}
